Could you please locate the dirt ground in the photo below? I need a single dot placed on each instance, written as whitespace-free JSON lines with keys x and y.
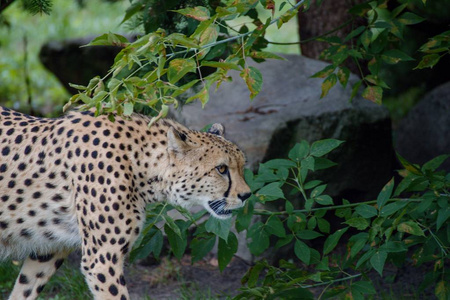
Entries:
{"x":174,"y":279}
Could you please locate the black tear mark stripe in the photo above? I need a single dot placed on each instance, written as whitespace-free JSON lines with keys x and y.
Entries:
{"x":229,"y":186}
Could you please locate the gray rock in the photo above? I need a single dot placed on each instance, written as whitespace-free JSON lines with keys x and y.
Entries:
{"x":289,"y":109}
{"x":72,"y":63}
{"x":425,"y":132}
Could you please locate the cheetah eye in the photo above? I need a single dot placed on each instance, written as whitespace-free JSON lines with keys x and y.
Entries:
{"x":222,"y":169}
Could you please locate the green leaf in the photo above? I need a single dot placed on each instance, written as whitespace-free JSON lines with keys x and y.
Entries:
{"x":354,"y":33}
{"x":259,"y":239}
{"x":325,"y":72}
{"x":435,"y":163}
{"x":391,"y":208}
{"x":357,"y":246}
{"x":359,"y":223}
{"x":134,"y":8}
{"x":355,"y":89}
{"x":177,"y":244}
{"x":324,"y":225}
{"x":302,"y":251}
{"x":299,"y":151}
{"x":364,"y":287}
{"x":219,"y":227}
{"x":321,"y":163}
{"x":394,"y":247}
{"x":198,"y":13}
{"x":428,"y":61}
{"x":128,"y":109}
{"x":410,"y":227}
{"x":365,"y":257}
{"x":385,"y":194}
{"x":275,"y":226}
{"x":208,"y":37}
{"x":180,"y":39}
{"x":318,"y":190}
{"x":171,"y":223}
{"x":408,"y":18}
{"x":203,"y":96}
{"x":109,"y":39}
{"x":343,"y":74}
{"x":394,"y":56}
{"x":201,"y":246}
{"x":332,"y":240}
{"x":253,"y":79}
{"x":373,"y":93}
{"x":324,"y":200}
{"x":252,"y":275}
{"x":222,"y":65}
{"x":442,"y":290}
{"x":286,"y":17}
{"x":377,"y":261}
{"x":308,"y":234}
{"x":280,"y":163}
{"x":409,"y":166}
{"x":78,"y":87}
{"x":327,"y":84}
{"x":443,"y":215}
{"x":311,"y":184}
{"x":366,"y":39}
{"x":366,"y":211}
{"x":270,"y":192}
{"x":322,"y":147}
{"x":179,"y":67}
{"x":151,"y":242}
{"x":265,"y":55}
{"x":226,"y":250}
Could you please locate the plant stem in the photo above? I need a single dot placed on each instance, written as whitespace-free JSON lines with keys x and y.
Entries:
{"x":331,"y":281}
{"x":333,"y":207}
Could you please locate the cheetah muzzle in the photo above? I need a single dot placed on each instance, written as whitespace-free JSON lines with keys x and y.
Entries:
{"x":82,"y":181}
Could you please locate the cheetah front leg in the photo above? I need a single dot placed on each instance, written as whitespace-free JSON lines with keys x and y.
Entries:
{"x":108,"y":228}
{"x":104,"y":273}
{"x":35,"y":273}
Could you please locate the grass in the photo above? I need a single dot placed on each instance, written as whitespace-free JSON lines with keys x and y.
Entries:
{"x":67,"y":284}
{"x":67,"y":20}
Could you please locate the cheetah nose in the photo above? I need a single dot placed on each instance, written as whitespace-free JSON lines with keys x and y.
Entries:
{"x":244,"y":196}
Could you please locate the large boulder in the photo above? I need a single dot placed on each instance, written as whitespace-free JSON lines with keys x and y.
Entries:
{"x":425,"y":132}
{"x":289,"y":109}
{"x":72,"y":63}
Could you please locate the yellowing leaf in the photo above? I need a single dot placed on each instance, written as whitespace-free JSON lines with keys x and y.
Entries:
{"x":373,"y":93}
{"x":410,"y":227}
{"x":208,"y":36}
{"x":428,"y":61}
{"x":327,"y":84}
{"x":198,"y":13}
{"x":253,"y":78}
{"x":179,"y":67}
{"x":343,"y":74}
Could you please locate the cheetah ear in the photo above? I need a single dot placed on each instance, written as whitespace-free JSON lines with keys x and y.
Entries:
{"x":177,"y":141}
{"x":217,"y":129}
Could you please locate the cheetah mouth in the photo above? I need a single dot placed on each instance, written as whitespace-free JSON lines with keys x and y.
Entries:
{"x":218,"y":208}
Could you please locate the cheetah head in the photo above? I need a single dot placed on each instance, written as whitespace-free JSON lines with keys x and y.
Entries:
{"x":207,"y":170}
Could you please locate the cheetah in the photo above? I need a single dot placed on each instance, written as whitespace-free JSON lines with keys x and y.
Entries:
{"x":82,"y":181}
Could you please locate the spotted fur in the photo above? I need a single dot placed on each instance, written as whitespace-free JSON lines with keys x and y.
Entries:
{"x":84,"y":181}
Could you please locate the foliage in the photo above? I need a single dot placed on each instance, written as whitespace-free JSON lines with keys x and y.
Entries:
{"x":376,"y":44}
{"x":157,"y":68}
{"x":391,"y":229}
{"x":37,"y":6}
